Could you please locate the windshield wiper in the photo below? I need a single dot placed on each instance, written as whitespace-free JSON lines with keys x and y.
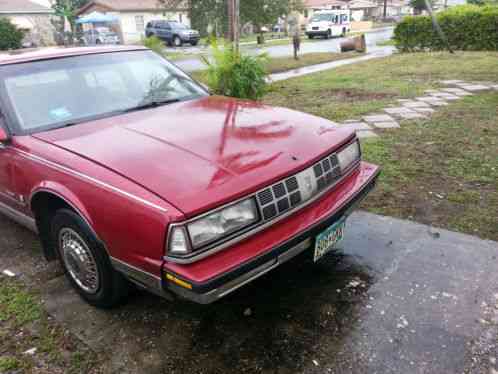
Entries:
{"x":151,"y":104}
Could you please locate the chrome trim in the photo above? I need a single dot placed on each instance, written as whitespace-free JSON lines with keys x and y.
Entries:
{"x":227,"y":288}
{"x":11,"y":196}
{"x":88,"y":178}
{"x":141,"y":278}
{"x":254,"y":229}
{"x":21,"y":218}
{"x":79,"y":260}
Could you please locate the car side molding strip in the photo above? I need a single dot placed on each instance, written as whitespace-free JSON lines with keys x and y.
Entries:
{"x":89,"y":179}
{"x":19,"y":217}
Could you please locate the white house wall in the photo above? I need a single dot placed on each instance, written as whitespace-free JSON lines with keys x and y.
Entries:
{"x":128,"y":23}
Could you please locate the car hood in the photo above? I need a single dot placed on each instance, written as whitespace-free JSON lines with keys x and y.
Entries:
{"x":199,"y":154}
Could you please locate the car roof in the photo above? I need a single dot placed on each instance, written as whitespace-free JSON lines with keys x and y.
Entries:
{"x":29,"y":55}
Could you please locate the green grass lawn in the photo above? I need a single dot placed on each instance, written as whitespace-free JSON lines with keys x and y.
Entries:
{"x":24,"y":325}
{"x":354,"y":90}
{"x":442,"y":171}
{"x":280,"y":64}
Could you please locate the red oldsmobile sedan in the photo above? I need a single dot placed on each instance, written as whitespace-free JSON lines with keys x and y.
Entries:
{"x":131,"y":172}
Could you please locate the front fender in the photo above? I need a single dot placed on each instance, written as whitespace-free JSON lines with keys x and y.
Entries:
{"x":63,"y":193}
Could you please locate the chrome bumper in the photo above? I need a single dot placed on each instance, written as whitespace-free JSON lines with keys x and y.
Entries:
{"x":233,"y":285}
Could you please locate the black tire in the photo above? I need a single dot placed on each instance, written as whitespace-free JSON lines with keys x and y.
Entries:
{"x":343,"y":32}
{"x":194,"y":43}
{"x":311,"y":36}
{"x":112,"y":286}
{"x":177,"y":41}
{"x":329,"y":34}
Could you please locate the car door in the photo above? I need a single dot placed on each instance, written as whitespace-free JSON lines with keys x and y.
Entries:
{"x":8,"y":197}
{"x":160,"y":30}
{"x":168,"y":32}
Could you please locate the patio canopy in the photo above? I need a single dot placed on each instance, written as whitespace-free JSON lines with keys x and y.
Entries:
{"x":97,"y":17}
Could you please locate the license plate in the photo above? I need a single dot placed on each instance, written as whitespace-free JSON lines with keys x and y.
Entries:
{"x":326,"y":241}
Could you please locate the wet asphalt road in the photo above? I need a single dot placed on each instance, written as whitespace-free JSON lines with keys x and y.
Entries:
{"x":397,"y":297}
{"x":330,"y":45}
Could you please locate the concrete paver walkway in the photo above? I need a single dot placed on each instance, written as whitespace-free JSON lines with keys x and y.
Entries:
{"x":417,"y":109}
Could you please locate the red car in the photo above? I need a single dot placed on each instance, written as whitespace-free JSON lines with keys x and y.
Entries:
{"x":131,"y":172}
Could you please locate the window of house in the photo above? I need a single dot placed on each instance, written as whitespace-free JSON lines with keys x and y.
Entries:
{"x":140,"y":23}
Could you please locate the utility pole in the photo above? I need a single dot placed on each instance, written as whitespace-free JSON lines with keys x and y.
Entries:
{"x":436,"y":25}
{"x":385,"y":9}
{"x":234,"y":23}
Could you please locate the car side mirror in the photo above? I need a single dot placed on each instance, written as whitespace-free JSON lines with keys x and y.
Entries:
{"x":4,"y":137}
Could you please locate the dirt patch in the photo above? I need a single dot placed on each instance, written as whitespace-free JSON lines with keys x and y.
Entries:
{"x":354,"y":95}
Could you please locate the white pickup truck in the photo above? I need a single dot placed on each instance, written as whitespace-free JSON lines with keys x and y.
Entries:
{"x":329,"y":23}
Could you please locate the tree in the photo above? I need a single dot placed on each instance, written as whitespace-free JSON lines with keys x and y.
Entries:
{"x":66,"y":9}
{"x":483,"y":2}
{"x":10,"y":35}
{"x":419,"y":5}
{"x":267,"y":12}
{"x":214,"y":13}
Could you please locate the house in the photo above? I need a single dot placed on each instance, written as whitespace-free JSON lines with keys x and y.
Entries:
{"x":394,"y":8}
{"x":362,"y":10}
{"x":133,"y":15}
{"x":33,"y":16}
{"x":312,"y":6}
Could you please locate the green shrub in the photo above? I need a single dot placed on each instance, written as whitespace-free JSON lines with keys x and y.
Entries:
{"x":234,"y":74}
{"x":154,"y":43}
{"x":467,"y":27}
{"x":10,"y":36}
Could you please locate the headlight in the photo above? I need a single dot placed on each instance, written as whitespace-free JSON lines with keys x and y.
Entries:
{"x":212,"y":227}
{"x":185,"y":33}
{"x":349,"y":155}
{"x":223,"y":222}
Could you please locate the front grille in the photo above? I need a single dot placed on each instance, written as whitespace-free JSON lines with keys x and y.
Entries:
{"x":289,"y":193}
{"x":315,"y":28}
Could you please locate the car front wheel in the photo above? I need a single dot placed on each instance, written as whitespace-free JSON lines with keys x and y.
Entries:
{"x":85,"y":261}
{"x":177,"y":41}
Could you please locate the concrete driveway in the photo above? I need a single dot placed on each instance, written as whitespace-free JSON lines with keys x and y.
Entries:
{"x":397,"y":297}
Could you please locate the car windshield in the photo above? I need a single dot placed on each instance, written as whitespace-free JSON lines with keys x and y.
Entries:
{"x":65,"y":91}
{"x":178,"y":26}
{"x":324,"y":17}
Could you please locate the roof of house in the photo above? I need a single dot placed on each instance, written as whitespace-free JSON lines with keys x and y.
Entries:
{"x":22,"y":6}
{"x":323,"y":3}
{"x":362,"y":4}
{"x":134,"y":5}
